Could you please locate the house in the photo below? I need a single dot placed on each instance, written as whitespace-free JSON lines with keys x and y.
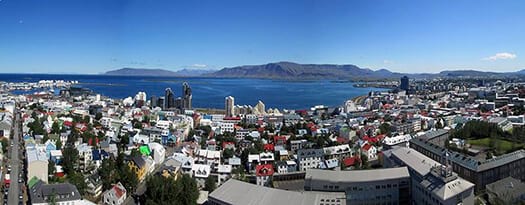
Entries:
{"x":224,"y":173}
{"x":235,"y":162}
{"x":99,"y":155}
{"x":506,"y":191}
{"x":264,"y":174}
{"x":63,"y":193}
{"x":200,"y":172}
{"x":56,"y":156}
{"x":37,"y":164}
{"x":158,"y":152}
{"x":138,"y":165}
{"x":370,"y":151}
{"x":309,"y":158}
{"x":85,"y":156}
{"x":187,"y":162}
{"x":116,"y":195}
{"x":266,"y":157}
{"x":171,"y":168}
{"x":284,"y":167}
{"x":94,"y":185}
{"x":338,"y":151}
{"x":329,"y":163}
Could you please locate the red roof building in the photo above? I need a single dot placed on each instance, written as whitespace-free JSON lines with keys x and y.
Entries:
{"x":264,"y":170}
{"x":351,"y":161}
{"x":279,"y":140}
{"x":268,"y":147}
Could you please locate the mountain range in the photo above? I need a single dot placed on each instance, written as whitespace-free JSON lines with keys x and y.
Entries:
{"x":295,"y":71}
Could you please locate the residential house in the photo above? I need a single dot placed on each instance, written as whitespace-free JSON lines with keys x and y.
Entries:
{"x":37,"y":164}
{"x":138,"y":165}
{"x":264,"y":174}
{"x":116,"y":195}
{"x":370,"y":151}
{"x":200,"y":172}
{"x":224,"y":173}
{"x":62,"y":193}
{"x":309,"y":158}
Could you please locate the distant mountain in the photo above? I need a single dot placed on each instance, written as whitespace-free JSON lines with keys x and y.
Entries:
{"x":158,"y":72}
{"x":193,"y":72}
{"x":141,"y":72}
{"x":289,"y":70}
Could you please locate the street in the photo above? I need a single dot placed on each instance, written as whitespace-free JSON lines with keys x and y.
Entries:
{"x":14,"y":188}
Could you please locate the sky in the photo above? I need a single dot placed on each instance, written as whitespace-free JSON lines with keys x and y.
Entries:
{"x":415,"y":36}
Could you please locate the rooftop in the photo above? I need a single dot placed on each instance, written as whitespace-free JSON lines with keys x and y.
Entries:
{"x":356,"y":175}
{"x":242,"y":193}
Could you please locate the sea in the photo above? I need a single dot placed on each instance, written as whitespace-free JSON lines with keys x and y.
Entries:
{"x":210,"y":92}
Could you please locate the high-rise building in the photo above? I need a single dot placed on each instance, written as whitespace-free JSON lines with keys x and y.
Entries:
{"x":186,"y":96}
{"x":153,"y":101}
{"x":169,"y":99}
{"x":161,"y":102}
{"x":229,"y":103}
{"x":404,"y":85}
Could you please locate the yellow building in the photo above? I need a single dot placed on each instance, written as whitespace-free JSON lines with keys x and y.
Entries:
{"x":138,"y":165}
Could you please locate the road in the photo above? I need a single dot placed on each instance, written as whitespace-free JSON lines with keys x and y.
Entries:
{"x":14,"y":161}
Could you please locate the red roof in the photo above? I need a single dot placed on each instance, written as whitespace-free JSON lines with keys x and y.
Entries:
{"x":367,"y":147}
{"x":342,"y":140}
{"x":224,"y":144}
{"x":68,"y":123}
{"x":351,"y":161}
{"x":264,"y":170}
{"x":279,"y":138}
{"x":118,"y":192}
{"x":232,"y":118}
{"x":268,"y":147}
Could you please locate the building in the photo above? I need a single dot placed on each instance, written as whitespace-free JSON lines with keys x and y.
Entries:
{"x":138,"y":165}
{"x":186,"y":96}
{"x":375,"y":186}
{"x":264,"y":174}
{"x":169,"y":99}
{"x":432,"y":182}
{"x":506,"y":191}
{"x":404,"y":83}
{"x":260,"y":108}
{"x":37,"y":164}
{"x":309,"y":158}
{"x":478,"y":171}
{"x":116,"y":195}
{"x":62,"y":193}
{"x":234,"y":192}
{"x":229,"y":103}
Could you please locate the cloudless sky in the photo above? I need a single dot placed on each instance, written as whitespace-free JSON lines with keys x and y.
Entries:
{"x":94,"y":36}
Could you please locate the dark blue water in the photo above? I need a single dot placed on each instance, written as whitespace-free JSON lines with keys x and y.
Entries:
{"x":210,"y":92}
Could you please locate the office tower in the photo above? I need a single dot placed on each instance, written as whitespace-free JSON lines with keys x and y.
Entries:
{"x":229,"y":103}
{"x":186,"y":96}
{"x":169,"y":99}
{"x":404,"y":83}
{"x":153,"y":101}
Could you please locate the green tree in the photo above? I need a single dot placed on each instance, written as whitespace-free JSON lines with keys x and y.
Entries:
{"x":70,"y":159}
{"x":98,"y":116}
{"x":55,"y":128}
{"x":78,"y":180}
{"x":385,"y":128}
{"x":51,"y":167}
{"x":59,"y":144}
{"x":4,"y":145}
{"x":128,"y":178}
{"x":227,"y":153}
{"x":210,"y":184}
{"x":108,"y":173}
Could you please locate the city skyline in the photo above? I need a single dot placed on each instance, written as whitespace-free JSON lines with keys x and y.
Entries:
{"x":407,"y":36}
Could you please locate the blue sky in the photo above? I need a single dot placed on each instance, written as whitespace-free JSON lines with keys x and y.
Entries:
{"x":404,"y":36}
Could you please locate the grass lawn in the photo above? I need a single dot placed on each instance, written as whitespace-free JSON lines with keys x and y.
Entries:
{"x":502,"y":145}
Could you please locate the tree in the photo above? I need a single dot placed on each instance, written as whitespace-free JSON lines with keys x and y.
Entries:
{"x":160,"y":190}
{"x":227,"y":153}
{"x":59,"y":144}
{"x":385,"y":128}
{"x":70,"y":159}
{"x":55,"y":128}
{"x":210,"y":184}
{"x":98,"y":116}
{"x":4,"y":145}
{"x":128,"y":178}
{"x":51,"y":167}
{"x":108,"y":173}
{"x":77,"y":179}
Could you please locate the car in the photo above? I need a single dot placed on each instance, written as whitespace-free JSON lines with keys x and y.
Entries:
{"x":20,"y":181}
{"x":20,"y":196}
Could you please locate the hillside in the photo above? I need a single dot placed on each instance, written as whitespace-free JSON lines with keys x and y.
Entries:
{"x":141,"y":72}
{"x":288,"y":70}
